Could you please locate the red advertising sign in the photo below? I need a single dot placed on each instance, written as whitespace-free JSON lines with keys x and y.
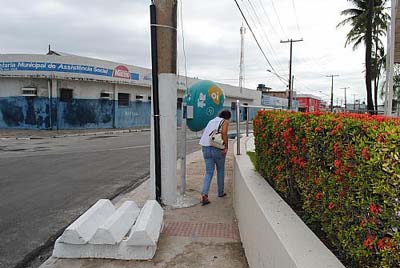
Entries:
{"x":122,"y":71}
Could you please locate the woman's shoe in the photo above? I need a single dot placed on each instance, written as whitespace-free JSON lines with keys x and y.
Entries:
{"x":222,"y":195}
{"x":204,"y":200}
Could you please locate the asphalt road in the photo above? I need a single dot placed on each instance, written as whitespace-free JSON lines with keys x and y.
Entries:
{"x":46,"y":183}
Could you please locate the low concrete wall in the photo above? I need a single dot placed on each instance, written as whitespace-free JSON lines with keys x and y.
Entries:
{"x":271,"y":232}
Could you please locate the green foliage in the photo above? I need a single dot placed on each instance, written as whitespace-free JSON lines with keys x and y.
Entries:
{"x":344,"y":170}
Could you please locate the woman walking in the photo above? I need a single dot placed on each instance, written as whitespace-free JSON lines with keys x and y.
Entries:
{"x":213,"y":156}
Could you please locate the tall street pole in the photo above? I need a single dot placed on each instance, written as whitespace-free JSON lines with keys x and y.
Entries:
{"x":345,"y":97}
{"x":332,"y":76}
{"x":163,"y":15}
{"x":390,"y":60}
{"x":291,"y":41}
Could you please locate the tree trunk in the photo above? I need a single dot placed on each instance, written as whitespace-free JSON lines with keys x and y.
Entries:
{"x":368,"y":56}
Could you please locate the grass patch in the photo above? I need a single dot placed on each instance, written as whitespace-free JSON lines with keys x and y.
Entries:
{"x":253,"y":158}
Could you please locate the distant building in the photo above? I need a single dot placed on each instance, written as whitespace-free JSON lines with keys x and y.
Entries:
{"x":356,"y":107}
{"x":62,"y":91}
{"x":309,"y":103}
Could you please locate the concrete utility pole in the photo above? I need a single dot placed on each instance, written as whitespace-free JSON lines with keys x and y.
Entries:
{"x":390,"y":60}
{"x":291,"y":41}
{"x":332,"y":76}
{"x":164,"y":134}
{"x":345,"y":97}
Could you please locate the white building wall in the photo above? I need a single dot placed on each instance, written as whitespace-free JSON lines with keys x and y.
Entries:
{"x":10,"y":87}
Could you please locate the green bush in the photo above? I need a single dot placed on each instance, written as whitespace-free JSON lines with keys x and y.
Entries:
{"x":343,"y":170}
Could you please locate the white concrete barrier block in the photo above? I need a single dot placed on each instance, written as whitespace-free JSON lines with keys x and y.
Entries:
{"x":147,"y":228}
{"x":119,"y":252}
{"x":82,"y":230}
{"x":117,"y":226}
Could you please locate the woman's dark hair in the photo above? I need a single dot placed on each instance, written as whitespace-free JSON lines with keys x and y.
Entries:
{"x":225,"y":114}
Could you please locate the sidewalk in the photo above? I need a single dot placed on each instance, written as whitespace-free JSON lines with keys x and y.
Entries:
{"x":192,"y":237}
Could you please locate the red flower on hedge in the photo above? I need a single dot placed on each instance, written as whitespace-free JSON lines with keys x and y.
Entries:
{"x":331,"y":206}
{"x":369,"y":241}
{"x":365,"y":153}
{"x":279,"y":168}
{"x":264,"y":136}
{"x":336,"y":149}
{"x":363,"y":222}
{"x":385,"y":243}
{"x":318,"y":129}
{"x":317,"y":181}
{"x":337,"y":163}
{"x":381,"y":137}
{"x":318,"y":196}
{"x":374,"y":209}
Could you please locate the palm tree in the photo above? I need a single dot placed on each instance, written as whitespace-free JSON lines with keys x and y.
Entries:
{"x":368,"y":20}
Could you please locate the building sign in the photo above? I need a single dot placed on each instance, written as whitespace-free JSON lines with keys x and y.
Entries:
{"x":122,"y":71}
{"x":119,"y":71}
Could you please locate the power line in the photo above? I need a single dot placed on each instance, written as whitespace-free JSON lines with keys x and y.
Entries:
{"x":296,"y":17}
{"x":271,"y":48}
{"x":267,"y":17}
{"x":279,"y":20}
{"x":255,"y":38}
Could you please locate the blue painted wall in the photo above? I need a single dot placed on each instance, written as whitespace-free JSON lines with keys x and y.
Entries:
{"x":80,"y":113}
{"x":24,"y":112}
{"x":137,"y":114}
{"x":35,"y":113}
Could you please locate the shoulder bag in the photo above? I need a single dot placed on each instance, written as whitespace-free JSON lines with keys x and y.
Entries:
{"x":216,"y":139}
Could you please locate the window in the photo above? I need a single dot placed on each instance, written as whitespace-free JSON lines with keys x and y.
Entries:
{"x":123,"y":99}
{"x":139,"y":97}
{"x":29,"y":91}
{"x":66,"y":95}
{"x":106,"y":95}
{"x":149,"y":98}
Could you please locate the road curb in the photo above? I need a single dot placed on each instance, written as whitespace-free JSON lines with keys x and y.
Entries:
{"x":78,"y":134}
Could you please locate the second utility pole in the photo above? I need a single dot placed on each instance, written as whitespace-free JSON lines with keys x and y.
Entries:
{"x":345,"y":98}
{"x":332,"y":76}
{"x":290,"y":97}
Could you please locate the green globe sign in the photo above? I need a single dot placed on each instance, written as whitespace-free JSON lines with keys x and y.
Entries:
{"x":207,"y":100}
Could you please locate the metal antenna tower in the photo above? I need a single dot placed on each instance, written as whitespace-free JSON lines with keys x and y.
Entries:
{"x":241,"y":75}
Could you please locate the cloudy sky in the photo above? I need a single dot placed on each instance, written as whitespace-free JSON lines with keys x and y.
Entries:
{"x":119,"y":31}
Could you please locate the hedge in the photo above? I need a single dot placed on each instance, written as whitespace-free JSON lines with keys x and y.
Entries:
{"x":343,"y":172}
